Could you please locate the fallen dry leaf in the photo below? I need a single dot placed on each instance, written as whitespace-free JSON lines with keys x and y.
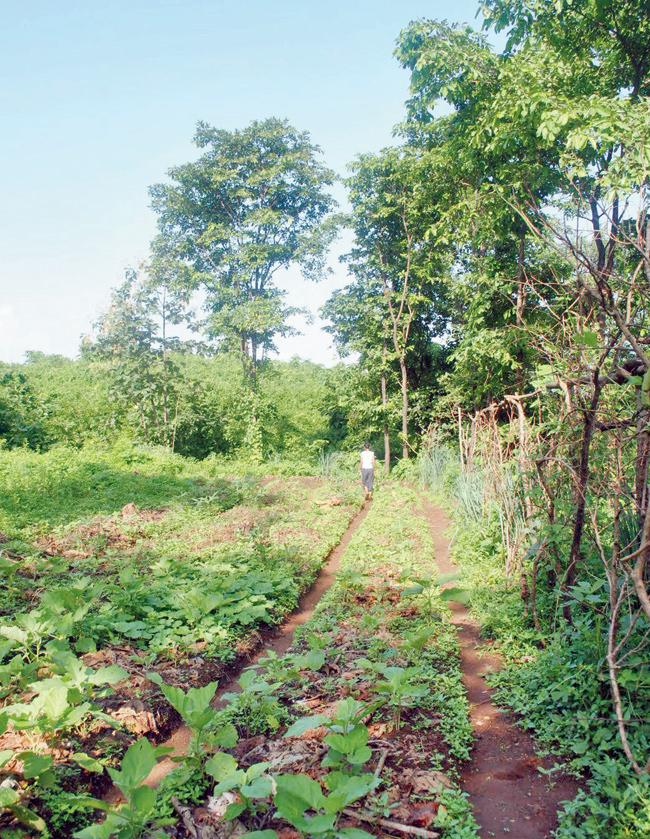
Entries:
{"x":422,"y":813}
{"x":429,"y":781}
{"x":379,"y":729}
{"x":288,"y":833}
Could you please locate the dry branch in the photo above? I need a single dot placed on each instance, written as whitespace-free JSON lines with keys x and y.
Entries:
{"x":395,"y":827}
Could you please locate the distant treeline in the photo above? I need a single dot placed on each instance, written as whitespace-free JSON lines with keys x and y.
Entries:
{"x":302,"y":408}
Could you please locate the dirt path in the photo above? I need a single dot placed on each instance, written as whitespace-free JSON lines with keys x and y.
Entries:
{"x":508,"y":794}
{"x":278,"y":640}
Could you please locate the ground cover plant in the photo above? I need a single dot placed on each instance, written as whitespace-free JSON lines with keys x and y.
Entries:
{"x":138,"y":561}
{"x":396,"y":662}
{"x":362,"y":725}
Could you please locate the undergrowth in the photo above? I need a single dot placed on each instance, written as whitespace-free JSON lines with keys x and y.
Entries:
{"x":364,"y":718}
{"x":555,"y":678}
{"x":123,"y":561}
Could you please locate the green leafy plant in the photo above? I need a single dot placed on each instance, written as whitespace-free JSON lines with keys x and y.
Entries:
{"x":255,"y":709}
{"x":62,"y":699}
{"x":10,"y":801}
{"x":351,"y":582}
{"x":402,"y":686}
{"x":253,"y":785}
{"x":128,"y":820}
{"x":428,"y":591}
{"x":195,"y":708}
{"x":301,"y":801}
{"x":286,"y":668}
{"x":347,"y":738}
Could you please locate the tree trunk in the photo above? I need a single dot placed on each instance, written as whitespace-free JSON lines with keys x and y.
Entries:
{"x":520,"y":307}
{"x":521,"y":279}
{"x":642,"y":457}
{"x":165,"y":388}
{"x":582,"y":480}
{"x":405,"y":409}
{"x":384,"y":402}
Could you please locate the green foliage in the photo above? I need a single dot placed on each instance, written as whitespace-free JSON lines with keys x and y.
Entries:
{"x":195,"y":709}
{"x":10,"y":801}
{"x":133,"y":341}
{"x":395,"y":303}
{"x":188,"y":783}
{"x":615,"y":803}
{"x":253,"y":203}
{"x":460,"y":237}
{"x":347,"y":738}
{"x":300,"y":801}
{"x":108,"y":579}
{"x":128,"y":820}
{"x":219,"y":592}
{"x":561,"y":691}
{"x":254,"y":709}
{"x":143,"y":389}
{"x":403,"y":687}
{"x":65,"y":812}
{"x":251,"y":784}
{"x":22,"y":416}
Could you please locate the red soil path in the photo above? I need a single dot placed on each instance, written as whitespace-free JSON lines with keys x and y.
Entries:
{"x":507,"y":792}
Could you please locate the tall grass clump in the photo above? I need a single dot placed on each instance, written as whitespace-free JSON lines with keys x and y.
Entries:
{"x":434,"y":465}
{"x":440,"y":471}
{"x":337,"y":465}
{"x":470,"y":493}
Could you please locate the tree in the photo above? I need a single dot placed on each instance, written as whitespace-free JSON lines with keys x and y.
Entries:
{"x":546,"y":150}
{"x":612,"y":35}
{"x":22,"y":414}
{"x":487,"y":153}
{"x":392,"y":255}
{"x":359,"y":324}
{"x":133,"y":338}
{"x":253,"y":203}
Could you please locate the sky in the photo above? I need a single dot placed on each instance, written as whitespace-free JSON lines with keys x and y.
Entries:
{"x":99,"y":98}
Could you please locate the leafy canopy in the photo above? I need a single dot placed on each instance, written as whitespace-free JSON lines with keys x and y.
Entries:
{"x":254,"y":202}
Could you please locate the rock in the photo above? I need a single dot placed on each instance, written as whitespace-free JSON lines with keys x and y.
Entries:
{"x":218,"y":804}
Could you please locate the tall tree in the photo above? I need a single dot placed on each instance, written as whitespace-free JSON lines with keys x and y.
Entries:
{"x":393,"y":253}
{"x":359,"y":322}
{"x":482,"y":153}
{"x":254,"y":202}
{"x":134,"y":338}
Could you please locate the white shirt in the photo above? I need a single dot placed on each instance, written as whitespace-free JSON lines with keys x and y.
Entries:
{"x":367,"y":459}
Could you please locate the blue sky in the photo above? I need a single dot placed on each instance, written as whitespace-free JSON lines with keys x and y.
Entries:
{"x":101,"y":97}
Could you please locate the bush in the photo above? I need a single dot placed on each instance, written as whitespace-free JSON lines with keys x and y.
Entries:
{"x":616,"y":804}
{"x":406,"y":469}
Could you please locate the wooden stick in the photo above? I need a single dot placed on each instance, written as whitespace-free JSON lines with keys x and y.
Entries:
{"x":380,"y":763}
{"x":408,"y":829}
{"x":186,"y":816}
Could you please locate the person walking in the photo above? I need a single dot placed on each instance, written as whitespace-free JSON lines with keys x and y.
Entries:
{"x":367,"y":469}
